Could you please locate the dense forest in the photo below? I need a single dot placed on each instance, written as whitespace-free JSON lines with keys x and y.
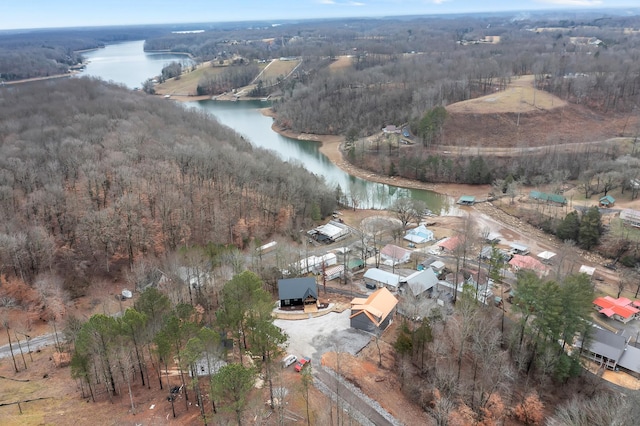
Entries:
{"x":91,"y":173}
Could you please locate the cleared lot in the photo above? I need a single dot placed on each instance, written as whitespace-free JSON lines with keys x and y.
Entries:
{"x":315,"y":336}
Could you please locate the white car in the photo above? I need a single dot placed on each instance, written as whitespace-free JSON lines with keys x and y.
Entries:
{"x":288,"y":360}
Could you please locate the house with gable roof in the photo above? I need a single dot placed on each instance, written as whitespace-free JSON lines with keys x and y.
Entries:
{"x":375,"y":313}
{"x":298,"y":292}
{"x":394,"y":255}
{"x":421,"y":281}
{"x":518,"y":262}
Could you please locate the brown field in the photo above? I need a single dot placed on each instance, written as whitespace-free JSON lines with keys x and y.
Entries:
{"x":277,"y":68}
{"x":341,"y":62}
{"x":187,"y":83}
{"x":520,"y":96}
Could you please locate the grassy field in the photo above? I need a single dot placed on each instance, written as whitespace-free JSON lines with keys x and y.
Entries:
{"x":520,"y":96}
{"x":277,"y":68}
{"x":188,"y":82}
{"x":341,"y":62}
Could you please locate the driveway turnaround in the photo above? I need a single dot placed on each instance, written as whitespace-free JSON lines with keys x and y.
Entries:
{"x":331,"y":332}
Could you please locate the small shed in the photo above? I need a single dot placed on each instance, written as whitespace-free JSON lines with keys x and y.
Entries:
{"x":355,"y":264}
{"x":438,"y":266}
{"x":546,"y":256}
{"x":589,"y":270}
{"x":607,"y":201}
{"x":519,"y":249}
{"x":467,"y":200}
{"x":334,"y":272}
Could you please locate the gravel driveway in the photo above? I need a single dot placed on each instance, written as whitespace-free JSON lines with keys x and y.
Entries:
{"x":315,"y":336}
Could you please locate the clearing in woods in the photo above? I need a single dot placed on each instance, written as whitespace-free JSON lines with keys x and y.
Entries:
{"x":520,"y":96}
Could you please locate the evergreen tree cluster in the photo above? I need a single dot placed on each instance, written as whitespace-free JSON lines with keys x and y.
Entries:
{"x":584,"y":229}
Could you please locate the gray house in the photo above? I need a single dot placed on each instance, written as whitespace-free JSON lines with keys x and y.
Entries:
{"x":606,"y":348}
{"x":298,"y":292}
{"x":375,"y":313}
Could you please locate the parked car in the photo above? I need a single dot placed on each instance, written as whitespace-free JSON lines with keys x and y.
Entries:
{"x":288,"y":360}
{"x":300,"y":365}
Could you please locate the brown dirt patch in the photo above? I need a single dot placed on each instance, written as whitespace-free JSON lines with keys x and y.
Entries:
{"x":520,"y":96}
{"x":380,"y":383}
{"x":341,"y":63}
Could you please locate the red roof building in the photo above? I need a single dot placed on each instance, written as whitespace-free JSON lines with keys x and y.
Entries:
{"x":518,"y":262}
{"x":621,"y":309}
{"x":450,"y":244}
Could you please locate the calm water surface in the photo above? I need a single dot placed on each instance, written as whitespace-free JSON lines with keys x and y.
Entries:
{"x":128,"y":64}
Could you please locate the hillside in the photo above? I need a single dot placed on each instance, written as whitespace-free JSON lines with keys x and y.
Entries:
{"x":521,"y":116}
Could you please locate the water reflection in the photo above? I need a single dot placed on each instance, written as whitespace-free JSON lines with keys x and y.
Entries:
{"x":245,"y":117}
{"x":127,"y":63}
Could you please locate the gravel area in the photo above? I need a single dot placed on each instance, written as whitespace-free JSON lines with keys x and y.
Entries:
{"x":314,"y":336}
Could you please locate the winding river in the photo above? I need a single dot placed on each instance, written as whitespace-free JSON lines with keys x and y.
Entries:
{"x":127,"y":63}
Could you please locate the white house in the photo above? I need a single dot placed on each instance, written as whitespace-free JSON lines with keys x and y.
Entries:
{"x":394,"y":255}
{"x":419,"y":235}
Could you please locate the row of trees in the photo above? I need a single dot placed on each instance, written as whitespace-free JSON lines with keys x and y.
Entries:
{"x":147,"y":341}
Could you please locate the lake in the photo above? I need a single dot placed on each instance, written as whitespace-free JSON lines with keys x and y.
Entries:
{"x":127,"y":63}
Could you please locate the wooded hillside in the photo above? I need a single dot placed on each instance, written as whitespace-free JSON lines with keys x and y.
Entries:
{"x":92,"y":173}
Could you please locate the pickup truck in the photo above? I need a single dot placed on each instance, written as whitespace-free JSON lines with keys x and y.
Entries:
{"x":300,"y":365}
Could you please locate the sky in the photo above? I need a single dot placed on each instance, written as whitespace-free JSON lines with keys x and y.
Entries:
{"x":22,"y":14}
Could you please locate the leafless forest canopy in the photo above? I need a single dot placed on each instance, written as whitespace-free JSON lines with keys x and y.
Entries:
{"x":91,"y":172}
{"x":400,"y":69}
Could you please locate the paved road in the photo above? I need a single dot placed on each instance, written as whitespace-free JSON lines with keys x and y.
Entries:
{"x":363,"y":406}
{"x":35,"y":343}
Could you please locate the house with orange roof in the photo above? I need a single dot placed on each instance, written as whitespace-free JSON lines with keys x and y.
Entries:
{"x":375,"y":313}
{"x":620,"y":309}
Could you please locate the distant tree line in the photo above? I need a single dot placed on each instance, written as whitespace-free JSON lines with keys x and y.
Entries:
{"x":43,"y":53}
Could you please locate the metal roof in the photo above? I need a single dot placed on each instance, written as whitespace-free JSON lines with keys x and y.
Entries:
{"x":381,"y":276}
{"x":297,"y":288}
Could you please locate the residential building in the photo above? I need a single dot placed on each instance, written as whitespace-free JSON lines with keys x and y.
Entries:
{"x":375,"y":313}
{"x":394,"y":255}
{"x":377,"y":278}
{"x":620,"y":309}
{"x":421,"y":281}
{"x":419,"y":235}
{"x":298,"y":292}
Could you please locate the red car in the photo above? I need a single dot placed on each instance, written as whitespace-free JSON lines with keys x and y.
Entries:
{"x":300,"y":365}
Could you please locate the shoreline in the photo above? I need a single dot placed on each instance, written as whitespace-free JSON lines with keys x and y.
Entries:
{"x":331,"y":147}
